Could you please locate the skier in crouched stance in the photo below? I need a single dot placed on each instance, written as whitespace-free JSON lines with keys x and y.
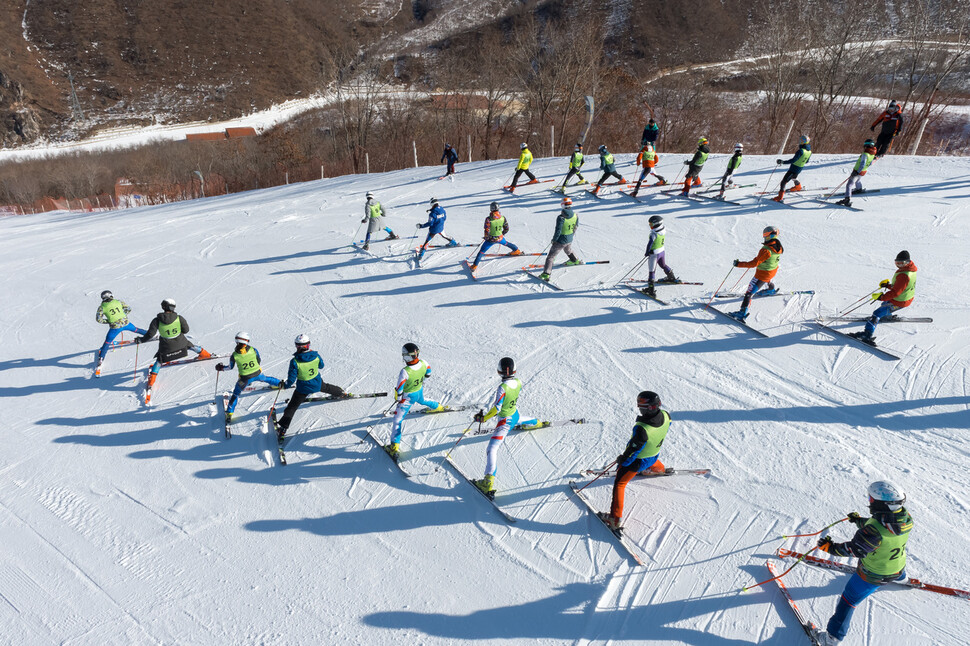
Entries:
{"x":409,"y":391}
{"x":766,"y":266}
{"x":245,"y":358}
{"x":113,"y":313}
{"x":304,"y":373}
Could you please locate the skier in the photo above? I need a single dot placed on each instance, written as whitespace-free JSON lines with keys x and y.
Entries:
{"x":641,"y":453}
{"x":695,"y":164}
{"x":525,"y":160}
{"x":451,"y":156}
{"x":733,"y":164}
{"x":656,"y":255}
{"x":304,"y":372}
{"x":113,"y":313}
{"x":892,"y":123}
{"x":650,"y":133}
{"x":435,"y":226}
{"x":171,"y":328}
{"x":506,"y":408}
{"x":880,"y":545}
{"x":562,"y":238}
{"x":409,"y":391}
{"x":901,"y":289}
{"x":575,"y":164}
{"x":798,"y":161}
{"x":373,"y":212}
{"x":647,"y":158}
{"x":608,"y":167}
{"x":246,"y":359}
{"x":861,"y":168}
{"x":495,"y":229}
{"x":766,"y":264}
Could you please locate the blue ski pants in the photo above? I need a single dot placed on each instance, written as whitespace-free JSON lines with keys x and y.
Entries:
{"x":410,"y":399}
{"x":112,"y":334}
{"x":488,"y":244}
{"x":855,"y":592}
{"x":884,"y":310}
{"x":242,"y":382}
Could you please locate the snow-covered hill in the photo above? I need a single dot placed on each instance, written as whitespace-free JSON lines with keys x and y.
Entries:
{"x":129,"y":525}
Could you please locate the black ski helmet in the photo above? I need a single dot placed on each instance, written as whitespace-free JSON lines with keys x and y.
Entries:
{"x":648,"y":402}
{"x":410,"y":353}
{"x":506,"y":367}
{"x":903,"y":256}
{"x":655,"y":221}
{"x":168,"y":305}
{"x":107,"y":296}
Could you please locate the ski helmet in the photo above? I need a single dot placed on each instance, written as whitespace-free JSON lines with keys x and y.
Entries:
{"x":893,"y":107}
{"x":447,"y":145}
{"x":106,"y":296}
{"x":506,"y":367}
{"x":369,"y":195}
{"x":410,"y":353}
{"x":702,"y":141}
{"x":738,"y":146}
{"x":242,"y":337}
{"x":566,"y":201}
{"x":602,"y":149}
{"x":804,"y":139}
{"x":903,"y":256}
{"x":885,"y":495}
{"x":168,"y":305}
{"x":648,"y":402}
{"x":302,"y":342}
{"x":493,"y":207}
{"x":434,"y":201}
{"x":656,"y":221}
{"x":523,"y":145}
{"x":579,"y":146}
{"x":771,"y":232}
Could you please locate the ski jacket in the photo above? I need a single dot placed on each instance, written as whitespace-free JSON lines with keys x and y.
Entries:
{"x":411,"y":378}
{"x":525,"y":159}
{"x":648,"y":433}
{"x":648,"y":157}
{"x":656,"y":242}
{"x":892,"y":123}
{"x":801,"y":156}
{"x":171,"y":329}
{"x":436,"y":220}
{"x":449,"y":154}
{"x":114,"y":313}
{"x":862,"y":164}
{"x":247,"y":367}
{"x":373,"y":210}
{"x":566,"y":225}
{"x":650,"y":134}
{"x":495,"y":227}
{"x":700,"y":156}
{"x":576,"y":161}
{"x":607,"y":163}
{"x":879,"y":544}
{"x":735,"y":162}
{"x":903,"y":288}
{"x":766,"y":261}
{"x":304,"y":371}
{"x":506,"y":399}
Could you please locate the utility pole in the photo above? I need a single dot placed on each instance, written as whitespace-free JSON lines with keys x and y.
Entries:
{"x":75,"y":104}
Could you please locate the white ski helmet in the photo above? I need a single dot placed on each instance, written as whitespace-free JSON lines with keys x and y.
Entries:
{"x":523,"y":145}
{"x":168,"y":305}
{"x":369,"y":195}
{"x":302,"y":341}
{"x":242,"y":337}
{"x":886,"y":494}
{"x":434,"y":201}
{"x":738,"y":146}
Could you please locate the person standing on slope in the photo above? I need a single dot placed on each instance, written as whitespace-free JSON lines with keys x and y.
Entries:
{"x":861,"y":168}
{"x":901,"y":289}
{"x":373,"y":216}
{"x":695,"y":164}
{"x":451,"y":156}
{"x":505,"y":406}
{"x":766,"y":266}
{"x":113,"y":313}
{"x":641,"y":454}
{"x":576,"y":162}
{"x":525,"y":160}
{"x":409,"y":391}
{"x":656,"y":255}
{"x":172,"y":342}
{"x":650,"y":133}
{"x":880,"y":545}
{"x":892,"y":123}
{"x":733,"y":164}
{"x":245,"y":359}
{"x":562,"y":238}
{"x":647,"y":158}
{"x":608,"y":166}
{"x":495,"y":229}
{"x":304,"y":372}
{"x":435,"y":226}
{"x":797,"y":163}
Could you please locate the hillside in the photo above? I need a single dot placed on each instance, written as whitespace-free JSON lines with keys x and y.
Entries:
{"x":132,"y":525}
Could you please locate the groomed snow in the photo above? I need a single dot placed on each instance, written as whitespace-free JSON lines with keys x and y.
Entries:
{"x":128,"y":525}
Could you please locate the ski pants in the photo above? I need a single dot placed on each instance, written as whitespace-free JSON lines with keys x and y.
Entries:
{"x":373,"y":227}
{"x":410,"y":399}
{"x":300,"y":397}
{"x":647,"y":172}
{"x":753,"y":287}
{"x":883,"y":143}
{"x":693,"y":177}
{"x":498,"y":436}
{"x":488,"y":244}
{"x":554,"y":251}
{"x":242,"y":382}
{"x":884,"y":310}
{"x":855,"y":592}
{"x":655,"y":259}
{"x":158,"y":364}
{"x":792,"y":174}
{"x":451,"y":167}
{"x":623,"y":477}
{"x":726,"y":179}
{"x":854,"y":184}
{"x":608,"y":174}
{"x":573,"y":171}
{"x":432,"y":235}
{"x":518,"y":174}
{"x":112,"y":334}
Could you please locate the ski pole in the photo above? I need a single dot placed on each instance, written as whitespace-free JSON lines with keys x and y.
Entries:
{"x":784,"y":536}
{"x":720,"y":286}
{"x":460,"y":438}
{"x":356,"y":231}
{"x":603,"y":473}
{"x":469,"y":258}
{"x":635,"y":267}
{"x":134,"y":372}
{"x":854,"y":305}
{"x":216,"y":393}
{"x":800,"y":559}
{"x":830,"y":195}
{"x":740,"y":279}
{"x":765,"y":189}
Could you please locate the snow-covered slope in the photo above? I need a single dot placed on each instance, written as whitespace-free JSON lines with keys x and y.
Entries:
{"x":128,"y":525}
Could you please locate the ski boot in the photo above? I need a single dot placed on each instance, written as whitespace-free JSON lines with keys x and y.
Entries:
{"x":696,"y":182}
{"x":669,"y":278}
{"x":649,"y":290}
{"x":865,"y":336}
{"x":559,"y":189}
{"x":532,"y":181}
{"x":610,"y":521}
{"x":797,"y":187}
{"x":860,"y":191}
{"x":596,"y":190}
{"x":544,"y":276}
{"x":366,"y":246}
{"x":845,"y":202}
{"x":473,"y":268}
{"x":452,"y":243}
{"x":572,"y":262}
{"x":392,"y":236}
{"x":228,"y":419}
{"x":394,"y":450}
{"x":740,"y":315}
{"x":634,"y":192}
{"x":487,"y":486}
{"x":771,"y":290}
{"x":824,"y":638}
{"x":780,"y":197}
{"x":280,"y":434}
{"x":661,"y":182}
{"x":581,"y":182}
{"x":205,"y":354}
{"x":623,"y":180}
{"x":685,"y":193}
{"x":517,"y":252}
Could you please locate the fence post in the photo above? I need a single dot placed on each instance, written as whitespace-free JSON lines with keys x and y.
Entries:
{"x":469,"y":148}
{"x":552,"y":141}
{"x":414,"y":145}
{"x":919,"y":137}
{"x":321,"y":172}
{"x":367,"y":163}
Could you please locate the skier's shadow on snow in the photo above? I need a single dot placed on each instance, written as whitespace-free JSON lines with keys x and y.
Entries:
{"x":120,"y":381}
{"x":292,"y":256}
{"x":572,"y":614}
{"x":612,"y":316}
{"x":52,"y":362}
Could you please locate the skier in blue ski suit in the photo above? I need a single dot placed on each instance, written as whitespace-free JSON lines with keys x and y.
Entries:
{"x":305,"y":368}
{"x":250,"y":370}
{"x":435,"y":226}
{"x":451,"y":156}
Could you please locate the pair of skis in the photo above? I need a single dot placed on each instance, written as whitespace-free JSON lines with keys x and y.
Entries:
{"x":274,"y":426}
{"x":528,"y":272}
{"x":631,"y":284}
{"x":468,"y":267}
{"x":181,"y":362}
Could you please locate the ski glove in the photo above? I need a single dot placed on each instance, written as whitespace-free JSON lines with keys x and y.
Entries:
{"x":824,"y":543}
{"x":876,"y":296}
{"x":220,"y":367}
{"x":480,"y":416}
{"x":884,"y":282}
{"x":856,"y":519}
{"x":736,"y":261}
{"x":872,"y":128}
{"x":779,"y":161}
{"x":686,"y":162}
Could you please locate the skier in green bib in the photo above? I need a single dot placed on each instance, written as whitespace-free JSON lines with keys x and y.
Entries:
{"x":797,"y":163}
{"x":245,"y":359}
{"x":562,"y":239}
{"x":409,"y":391}
{"x":576,"y":162}
{"x":113,"y":313}
{"x":733,"y":164}
{"x":171,"y":328}
{"x":304,"y":372}
{"x":879,"y":544}
{"x":374,"y":215}
{"x":861,"y":167}
{"x":506,"y":408}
